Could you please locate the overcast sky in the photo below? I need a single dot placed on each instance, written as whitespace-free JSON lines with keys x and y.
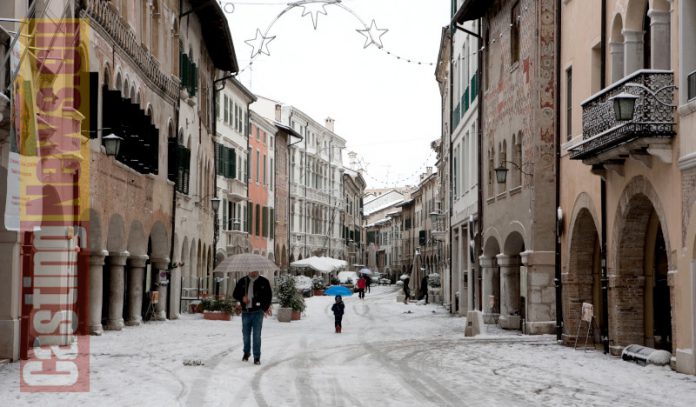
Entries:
{"x":388,"y":110}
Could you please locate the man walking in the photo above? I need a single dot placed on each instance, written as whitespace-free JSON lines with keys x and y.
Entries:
{"x":254,"y":294}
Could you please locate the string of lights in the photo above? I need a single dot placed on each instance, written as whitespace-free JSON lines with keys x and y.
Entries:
{"x":389,"y":181}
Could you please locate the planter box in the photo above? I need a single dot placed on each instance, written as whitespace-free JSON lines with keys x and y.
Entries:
{"x":284,"y":314}
{"x":318,"y":292}
{"x":296,"y":315}
{"x":216,"y":316}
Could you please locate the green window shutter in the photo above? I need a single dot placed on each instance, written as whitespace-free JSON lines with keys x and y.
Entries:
{"x":265,"y":221}
{"x":250,"y":207}
{"x":225,"y":157}
{"x":257,"y":223}
{"x":271,"y":219}
{"x":184,"y":74}
{"x":233,"y":163}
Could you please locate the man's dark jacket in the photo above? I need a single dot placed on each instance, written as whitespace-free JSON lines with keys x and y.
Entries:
{"x":262,"y":293}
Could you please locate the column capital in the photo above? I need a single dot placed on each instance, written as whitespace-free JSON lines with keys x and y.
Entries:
{"x":538,"y":258}
{"x":137,"y":261}
{"x":96,"y":257}
{"x":161,"y":263}
{"x":633,"y":36}
{"x":118,"y":258}
{"x":487,"y":262}
{"x":507,"y":261}
{"x":659,"y":17}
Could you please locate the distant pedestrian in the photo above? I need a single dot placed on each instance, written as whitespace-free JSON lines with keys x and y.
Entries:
{"x":361,"y":287}
{"x":407,"y":290}
{"x":368,"y":282}
{"x":424,"y":289}
{"x":254,"y":295}
{"x":338,"y":309}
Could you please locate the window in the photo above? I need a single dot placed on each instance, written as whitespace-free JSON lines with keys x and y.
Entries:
{"x":225,"y":211}
{"x":265,"y":222}
{"x":179,"y":166}
{"x":272,"y":176}
{"x":569,"y":103}
{"x":264,"y":170}
{"x":226,"y":160}
{"x":188,"y":71}
{"x":257,"y":217}
{"x":515,"y":18}
{"x":491,"y":172}
{"x":258,"y":162}
{"x":455,"y":171}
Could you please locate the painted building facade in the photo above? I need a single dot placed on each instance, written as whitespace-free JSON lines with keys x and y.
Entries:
{"x":518,"y":135}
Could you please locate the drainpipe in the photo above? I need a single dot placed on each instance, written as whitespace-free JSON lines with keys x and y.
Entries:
{"x":603,"y":198}
{"x":557,"y":279}
{"x":450,"y":202}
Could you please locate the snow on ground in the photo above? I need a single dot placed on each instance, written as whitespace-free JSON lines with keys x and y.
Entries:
{"x":386,"y":356}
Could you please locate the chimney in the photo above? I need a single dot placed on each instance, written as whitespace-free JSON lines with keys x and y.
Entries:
{"x":353,"y":160}
{"x":329,"y":124}
{"x":430,"y":170}
{"x":278,"y":113}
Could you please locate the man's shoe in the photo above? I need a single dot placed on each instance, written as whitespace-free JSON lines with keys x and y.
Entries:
{"x":257,"y":361}
{"x":245,"y":358}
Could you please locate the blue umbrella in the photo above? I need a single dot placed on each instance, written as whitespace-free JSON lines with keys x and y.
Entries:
{"x":338,"y":290}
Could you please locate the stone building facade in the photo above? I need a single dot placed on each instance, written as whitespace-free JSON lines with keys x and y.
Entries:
{"x":316,"y":168}
{"x":351,"y":223}
{"x":518,"y":82}
{"x":641,"y":161}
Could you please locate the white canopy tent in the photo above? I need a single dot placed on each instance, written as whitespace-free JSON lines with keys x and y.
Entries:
{"x":323,"y":265}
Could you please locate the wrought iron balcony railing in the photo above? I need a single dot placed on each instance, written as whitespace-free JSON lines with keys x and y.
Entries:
{"x":605,"y":139}
{"x":104,"y":17}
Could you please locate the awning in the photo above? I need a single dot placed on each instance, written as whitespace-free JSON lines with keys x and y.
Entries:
{"x":321,"y":264}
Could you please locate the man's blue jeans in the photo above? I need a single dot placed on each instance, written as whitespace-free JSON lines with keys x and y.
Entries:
{"x":252,"y":321}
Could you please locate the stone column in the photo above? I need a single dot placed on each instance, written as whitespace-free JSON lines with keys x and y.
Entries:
{"x":175,"y":293}
{"x":96,"y":290}
{"x":633,"y":51}
{"x":136,"y":273}
{"x":659,"y":39}
{"x":117,"y":261}
{"x":540,"y":292}
{"x":616,"y":50}
{"x":509,"y":291}
{"x":161,"y":309}
{"x":491,"y":289}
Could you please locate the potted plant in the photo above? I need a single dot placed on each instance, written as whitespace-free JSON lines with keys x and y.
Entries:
{"x":335,"y":281}
{"x":318,"y":285}
{"x":217,"y":310}
{"x":298,"y":305}
{"x":286,"y":293}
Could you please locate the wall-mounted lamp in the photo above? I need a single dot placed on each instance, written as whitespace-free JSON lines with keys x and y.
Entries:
{"x":624,"y":106}
{"x":112,"y":144}
{"x":501,"y":172}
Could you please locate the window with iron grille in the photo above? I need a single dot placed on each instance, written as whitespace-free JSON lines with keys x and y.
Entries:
{"x":691,"y":95}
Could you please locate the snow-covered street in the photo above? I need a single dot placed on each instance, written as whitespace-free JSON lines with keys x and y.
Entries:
{"x":386,"y":356}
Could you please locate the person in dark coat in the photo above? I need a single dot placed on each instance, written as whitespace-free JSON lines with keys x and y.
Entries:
{"x":424,"y":289}
{"x":254,"y":295}
{"x":338,"y":309}
{"x":407,"y":290}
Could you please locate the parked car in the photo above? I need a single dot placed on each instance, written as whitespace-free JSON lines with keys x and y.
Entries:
{"x":375,"y":277}
{"x":384,"y":281}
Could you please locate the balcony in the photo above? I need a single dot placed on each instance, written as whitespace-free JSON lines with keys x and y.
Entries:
{"x":105,"y":19}
{"x":607,"y":142}
{"x":236,"y":190}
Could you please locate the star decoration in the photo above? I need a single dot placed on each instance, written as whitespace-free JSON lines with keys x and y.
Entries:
{"x":373,"y":35}
{"x":259,"y":45}
{"x":314,"y":9}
